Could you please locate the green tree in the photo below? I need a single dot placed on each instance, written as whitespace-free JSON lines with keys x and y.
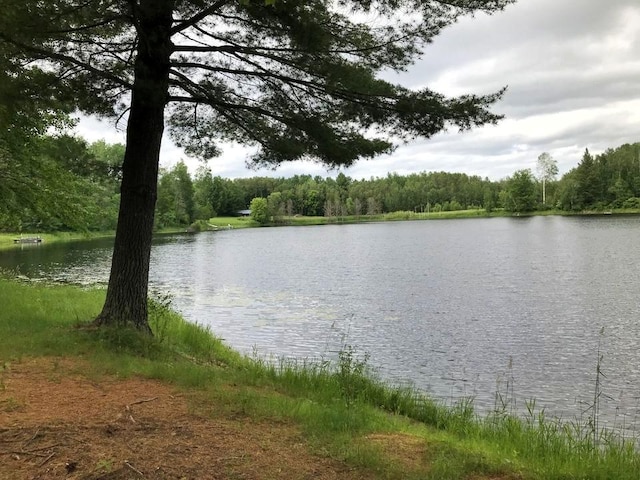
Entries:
{"x":109,"y":158}
{"x":520,"y":192}
{"x":260,"y":210}
{"x":175,"y":205}
{"x":620,"y":191}
{"x":489,"y":199}
{"x":589,"y":182}
{"x":202,"y":190}
{"x":296,"y":79}
{"x":275,"y":205}
{"x":313,"y":203}
{"x":44,"y":184}
{"x":184,"y":185}
{"x":30,"y":178}
{"x":568,"y":192}
{"x":165,"y":212}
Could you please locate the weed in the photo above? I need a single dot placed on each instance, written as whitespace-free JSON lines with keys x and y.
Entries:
{"x":11,"y":405}
{"x":159,"y":306}
{"x":593,"y":424}
{"x":505,"y":400}
{"x":352,"y":374}
{"x":104,"y":466}
{"x":3,"y":370}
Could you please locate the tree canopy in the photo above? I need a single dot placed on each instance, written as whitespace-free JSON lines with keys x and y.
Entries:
{"x":297,"y":79}
{"x":520,"y":192}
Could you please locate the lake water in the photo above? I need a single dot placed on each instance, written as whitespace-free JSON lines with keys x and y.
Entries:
{"x":455,"y":307}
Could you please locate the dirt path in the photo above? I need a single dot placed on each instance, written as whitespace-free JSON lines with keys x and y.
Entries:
{"x":56,"y":425}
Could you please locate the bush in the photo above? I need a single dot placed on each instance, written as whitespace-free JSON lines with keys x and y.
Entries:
{"x":199,"y":226}
{"x":259,"y":210}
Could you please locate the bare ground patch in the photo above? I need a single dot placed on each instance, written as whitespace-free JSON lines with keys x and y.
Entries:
{"x":54,"y":424}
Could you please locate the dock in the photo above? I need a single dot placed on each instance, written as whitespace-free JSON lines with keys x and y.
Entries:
{"x":27,"y":240}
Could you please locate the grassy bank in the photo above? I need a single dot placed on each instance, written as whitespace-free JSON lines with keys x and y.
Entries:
{"x":342,"y":411}
{"x":223,"y":223}
{"x":7,"y":239}
{"x":299,"y":220}
{"x":227,"y":223}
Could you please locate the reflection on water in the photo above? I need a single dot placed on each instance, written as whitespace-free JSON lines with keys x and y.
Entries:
{"x":456,"y":307}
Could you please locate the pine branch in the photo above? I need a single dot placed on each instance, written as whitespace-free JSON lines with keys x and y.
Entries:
{"x":185,"y":24}
{"x":84,"y":28}
{"x":66,"y":59}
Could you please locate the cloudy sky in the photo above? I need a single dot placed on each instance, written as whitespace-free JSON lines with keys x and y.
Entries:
{"x":572,"y":68}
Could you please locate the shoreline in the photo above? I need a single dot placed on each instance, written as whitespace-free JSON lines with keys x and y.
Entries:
{"x":7,"y":239}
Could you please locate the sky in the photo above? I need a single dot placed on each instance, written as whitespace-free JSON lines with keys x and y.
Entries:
{"x":572,"y":71}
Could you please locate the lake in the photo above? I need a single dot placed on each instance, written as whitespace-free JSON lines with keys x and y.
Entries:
{"x":457,"y":308}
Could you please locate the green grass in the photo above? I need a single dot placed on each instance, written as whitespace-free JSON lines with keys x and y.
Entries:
{"x":6,"y":239}
{"x":300,"y":220}
{"x":37,"y":320}
{"x":338,"y":405}
{"x":234,"y":222}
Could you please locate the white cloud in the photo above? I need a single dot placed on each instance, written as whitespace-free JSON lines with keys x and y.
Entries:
{"x":572,"y":70}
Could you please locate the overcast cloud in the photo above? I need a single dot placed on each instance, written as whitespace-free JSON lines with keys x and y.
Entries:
{"x":572,"y":68}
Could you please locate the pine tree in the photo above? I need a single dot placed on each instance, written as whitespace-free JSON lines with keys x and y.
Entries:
{"x":298,"y":79}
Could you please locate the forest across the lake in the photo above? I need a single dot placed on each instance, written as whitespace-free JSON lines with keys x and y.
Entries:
{"x":72,"y":185}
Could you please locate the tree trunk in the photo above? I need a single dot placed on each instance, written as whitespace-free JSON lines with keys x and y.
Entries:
{"x":126,"y":302}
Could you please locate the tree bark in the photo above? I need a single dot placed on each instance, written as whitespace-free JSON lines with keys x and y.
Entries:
{"x":126,"y":301}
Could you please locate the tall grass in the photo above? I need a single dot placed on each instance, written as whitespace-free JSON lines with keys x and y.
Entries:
{"x":545,"y":447}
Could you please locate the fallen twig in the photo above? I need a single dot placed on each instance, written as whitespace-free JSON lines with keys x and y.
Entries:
{"x":33,"y":451}
{"x":126,"y":462}
{"x":47,"y":459}
{"x":32,"y":438}
{"x":234,"y":457}
{"x":20,"y":452}
{"x":39,"y":449}
{"x":144,"y":400}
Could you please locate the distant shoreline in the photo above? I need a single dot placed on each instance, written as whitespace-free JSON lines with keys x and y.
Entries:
{"x":7,"y":238}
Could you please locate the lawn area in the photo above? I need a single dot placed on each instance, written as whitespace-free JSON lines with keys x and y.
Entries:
{"x":7,"y":239}
{"x":233,"y":222}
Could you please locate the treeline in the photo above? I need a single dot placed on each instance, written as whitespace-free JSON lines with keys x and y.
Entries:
{"x":607,"y":181}
{"x":184,"y":199}
{"x":64,"y":183}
